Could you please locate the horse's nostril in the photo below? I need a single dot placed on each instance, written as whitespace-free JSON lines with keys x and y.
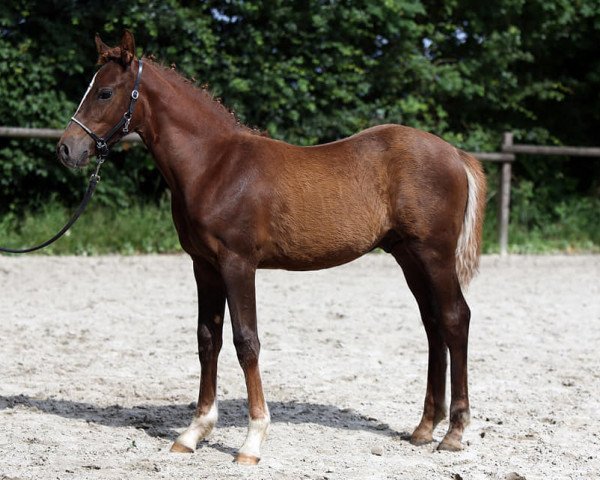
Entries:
{"x":64,"y":151}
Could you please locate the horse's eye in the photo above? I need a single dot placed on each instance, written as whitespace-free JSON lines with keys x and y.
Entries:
{"x":105,"y":94}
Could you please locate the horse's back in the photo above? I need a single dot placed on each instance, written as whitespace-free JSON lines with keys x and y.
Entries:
{"x":331,"y":203}
{"x":417,"y":179}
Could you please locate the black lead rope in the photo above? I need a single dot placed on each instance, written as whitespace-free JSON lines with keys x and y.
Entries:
{"x":102,"y":150}
{"x":94,"y":179}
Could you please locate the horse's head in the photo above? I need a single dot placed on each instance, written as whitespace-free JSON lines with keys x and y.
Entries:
{"x":104,"y":105}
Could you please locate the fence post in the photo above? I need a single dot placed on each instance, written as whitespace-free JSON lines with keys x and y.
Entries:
{"x":504,"y":199}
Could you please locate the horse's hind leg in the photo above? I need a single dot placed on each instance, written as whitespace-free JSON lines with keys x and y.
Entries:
{"x":434,"y":409}
{"x":450,"y":316}
{"x":211,"y":308}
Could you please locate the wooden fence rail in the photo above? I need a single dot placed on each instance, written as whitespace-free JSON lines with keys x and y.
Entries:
{"x":50,"y":133}
{"x":543,"y":150}
{"x":505,"y":158}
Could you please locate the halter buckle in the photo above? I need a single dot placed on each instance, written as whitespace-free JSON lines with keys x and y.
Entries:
{"x":135,"y":94}
{"x":102,"y":148}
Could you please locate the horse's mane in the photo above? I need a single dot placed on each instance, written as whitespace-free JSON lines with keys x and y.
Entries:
{"x":203,"y":94}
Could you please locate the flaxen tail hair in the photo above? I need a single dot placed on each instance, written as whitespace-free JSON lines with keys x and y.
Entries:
{"x":468,"y":247}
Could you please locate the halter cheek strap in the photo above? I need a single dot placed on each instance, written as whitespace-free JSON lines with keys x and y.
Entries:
{"x":102,"y":148}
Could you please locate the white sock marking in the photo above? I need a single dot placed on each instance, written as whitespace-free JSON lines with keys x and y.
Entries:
{"x":257,"y":433}
{"x":199,"y":428}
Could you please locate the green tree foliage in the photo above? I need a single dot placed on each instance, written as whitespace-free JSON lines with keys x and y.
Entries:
{"x":314,"y":71}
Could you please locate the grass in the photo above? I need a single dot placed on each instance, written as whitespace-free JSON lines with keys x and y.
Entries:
{"x":573,"y":226}
{"x":100,"y":230}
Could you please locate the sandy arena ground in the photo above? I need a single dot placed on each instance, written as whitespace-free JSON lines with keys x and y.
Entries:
{"x":98,"y":372}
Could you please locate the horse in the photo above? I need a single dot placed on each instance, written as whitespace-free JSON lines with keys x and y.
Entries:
{"x":243,"y":201}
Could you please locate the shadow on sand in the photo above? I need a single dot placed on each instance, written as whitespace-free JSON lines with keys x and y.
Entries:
{"x":164,"y":420}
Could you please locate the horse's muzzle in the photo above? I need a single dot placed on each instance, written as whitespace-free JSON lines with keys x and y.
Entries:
{"x":72,"y":159}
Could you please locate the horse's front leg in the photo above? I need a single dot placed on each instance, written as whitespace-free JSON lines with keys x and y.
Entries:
{"x":211,"y":308}
{"x":239,"y":276}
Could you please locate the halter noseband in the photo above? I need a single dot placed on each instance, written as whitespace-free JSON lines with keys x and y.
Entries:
{"x":102,"y":142}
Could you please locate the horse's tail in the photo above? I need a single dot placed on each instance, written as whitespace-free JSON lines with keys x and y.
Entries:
{"x":468,"y":247}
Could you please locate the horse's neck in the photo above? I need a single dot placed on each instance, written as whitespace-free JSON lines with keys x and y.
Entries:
{"x":180,"y":127}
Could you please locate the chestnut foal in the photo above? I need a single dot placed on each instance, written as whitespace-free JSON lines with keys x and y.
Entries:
{"x":241,"y":201}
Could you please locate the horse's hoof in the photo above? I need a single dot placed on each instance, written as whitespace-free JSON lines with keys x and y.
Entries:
{"x":244,"y":459}
{"x":421,"y":436}
{"x":450,"y":445}
{"x":179,"y":448}
{"x":420,"y":440}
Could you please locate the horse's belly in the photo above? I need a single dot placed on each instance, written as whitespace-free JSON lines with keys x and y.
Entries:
{"x":316,"y":236}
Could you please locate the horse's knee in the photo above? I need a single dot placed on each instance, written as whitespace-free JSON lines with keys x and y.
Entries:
{"x":247,"y":347}
{"x":209,"y":343}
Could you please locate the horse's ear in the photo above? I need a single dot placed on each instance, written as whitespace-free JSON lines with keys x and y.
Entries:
{"x":102,"y":48}
{"x":127,"y":47}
